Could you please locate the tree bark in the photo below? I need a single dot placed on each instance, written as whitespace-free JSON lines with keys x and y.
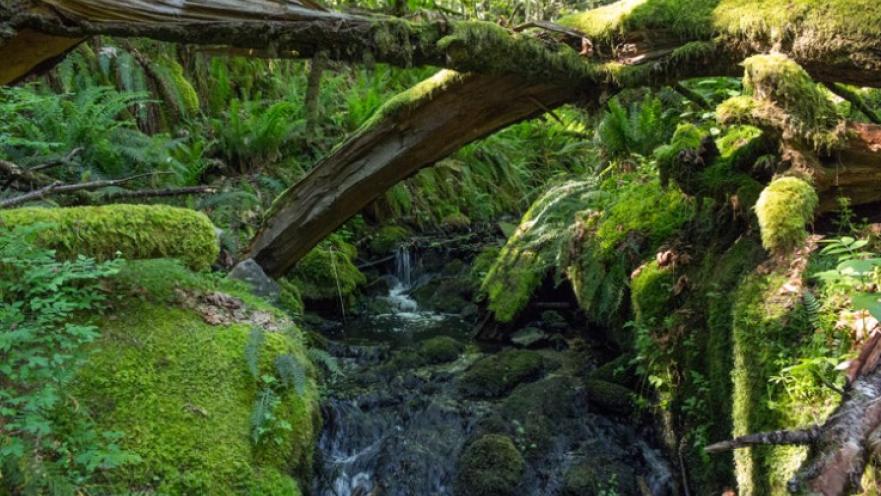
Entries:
{"x":455,"y":110}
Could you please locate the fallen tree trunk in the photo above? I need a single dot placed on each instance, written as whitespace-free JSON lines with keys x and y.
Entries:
{"x":417,"y":128}
{"x":841,"y":447}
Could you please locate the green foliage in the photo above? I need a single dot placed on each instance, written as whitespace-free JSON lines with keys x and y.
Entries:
{"x":784,"y":208}
{"x":535,"y":247}
{"x":387,"y":238}
{"x":39,"y":127}
{"x":251,"y":135}
{"x":638,"y":128}
{"x":48,"y":443}
{"x":134,"y":231}
{"x":325,"y":360}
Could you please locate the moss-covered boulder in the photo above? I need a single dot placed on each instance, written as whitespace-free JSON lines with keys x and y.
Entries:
{"x":181,"y":370}
{"x":387,"y":238}
{"x":538,"y":411}
{"x":490,"y":466}
{"x":328,"y":272}
{"x":610,"y":397}
{"x":133,"y":231}
{"x":599,"y":477}
{"x":496,"y":375}
{"x":440,"y":349}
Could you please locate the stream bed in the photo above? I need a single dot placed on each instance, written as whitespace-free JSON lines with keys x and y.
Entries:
{"x":421,"y":409}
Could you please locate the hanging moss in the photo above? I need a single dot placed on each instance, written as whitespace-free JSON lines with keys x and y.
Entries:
{"x":783,"y":209}
{"x":650,"y":293}
{"x":132,"y":231}
{"x":531,"y":251}
{"x":328,"y":271}
{"x":180,"y":392}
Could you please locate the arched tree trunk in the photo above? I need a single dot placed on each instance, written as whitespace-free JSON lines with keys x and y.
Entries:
{"x":414,"y":130}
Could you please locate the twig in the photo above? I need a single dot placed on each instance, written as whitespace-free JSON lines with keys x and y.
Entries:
{"x":66,"y":160}
{"x":547,"y":110}
{"x":800,"y":436}
{"x":692,"y":95}
{"x":550,"y":26}
{"x":57,"y":187}
{"x":855,"y":100}
{"x":151,"y":193}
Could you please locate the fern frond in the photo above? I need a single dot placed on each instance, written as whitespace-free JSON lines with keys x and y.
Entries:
{"x":252,"y":351}
{"x":326,"y":360}
{"x":291,"y":373}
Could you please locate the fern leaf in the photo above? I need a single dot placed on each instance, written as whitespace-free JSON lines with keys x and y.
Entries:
{"x":291,"y":373}
{"x":252,"y":351}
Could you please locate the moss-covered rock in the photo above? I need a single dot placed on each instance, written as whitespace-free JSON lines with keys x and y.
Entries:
{"x":441,"y":349}
{"x":387,"y":238}
{"x":490,"y":466}
{"x":328,"y":272}
{"x":599,"y":476}
{"x":536,"y":412}
{"x":134,"y":231}
{"x":783,"y":209}
{"x":497,"y":374}
{"x":610,"y":397}
{"x":180,"y":392}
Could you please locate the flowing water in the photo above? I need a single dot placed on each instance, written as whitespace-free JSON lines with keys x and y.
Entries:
{"x":397,"y":429}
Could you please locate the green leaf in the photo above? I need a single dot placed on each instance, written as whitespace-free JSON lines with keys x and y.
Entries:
{"x":870,"y":302}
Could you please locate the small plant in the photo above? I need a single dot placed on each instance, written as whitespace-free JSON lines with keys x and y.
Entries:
{"x":48,"y":440}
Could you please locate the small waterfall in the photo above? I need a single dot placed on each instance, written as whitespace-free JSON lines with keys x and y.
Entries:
{"x":399,"y":295}
{"x":403,"y":266}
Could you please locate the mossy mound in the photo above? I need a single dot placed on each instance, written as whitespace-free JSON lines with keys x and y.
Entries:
{"x":134,"y":231}
{"x":599,"y":477}
{"x":496,"y":375}
{"x":490,"y":466}
{"x":651,"y":291}
{"x":440,"y":349}
{"x":610,"y":397}
{"x":328,"y":272}
{"x":538,"y":411}
{"x":387,"y":238}
{"x":180,"y":392}
{"x":783,"y":209}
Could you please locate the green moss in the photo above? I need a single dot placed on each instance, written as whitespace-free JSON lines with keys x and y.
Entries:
{"x":497,"y":374}
{"x":180,"y":392}
{"x":610,"y":397}
{"x":441,"y":349}
{"x":490,"y":466}
{"x":135,"y":231}
{"x":530,"y":252}
{"x":783,"y":209}
{"x":328,"y":271}
{"x":809,"y":113}
{"x":290,"y":299}
{"x":599,"y":476}
{"x":759,"y":329}
{"x":455,"y":221}
{"x":488,"y":47}
{"x":387,"y":238}
{"x":536,"y":412}
{"x":737,"y":109}
{"x":650,"y":293}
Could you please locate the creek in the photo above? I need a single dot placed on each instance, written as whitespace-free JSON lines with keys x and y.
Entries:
{"x":412,"y":398}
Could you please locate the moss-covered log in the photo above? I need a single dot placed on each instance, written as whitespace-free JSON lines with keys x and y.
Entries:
{"x":835,"y":41}
{"x":130,"y":231}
